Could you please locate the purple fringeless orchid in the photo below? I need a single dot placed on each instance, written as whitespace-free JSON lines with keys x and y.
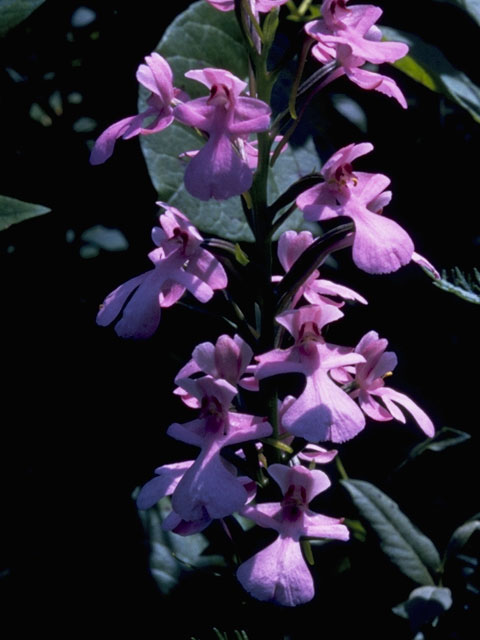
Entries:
{"x":369,"y":386}
{"x":279,"y":572}
{"x":380,"y":245}
{"x":220,"y":170}
{"x":180,"y":264}
{"x":228,"y":359}
{"x":349,"y":36}
{"x":156,"y":76}
{"x":323,"y":411}
{"x":165,"y":482}
{"x":210,"y":486}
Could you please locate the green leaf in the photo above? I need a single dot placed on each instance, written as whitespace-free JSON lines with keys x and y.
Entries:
{"x":427,"y":65}
{"x":203,"y":37}
{"x":472,"y":7}
{"x":466,"y":287}
{"x":12,"y":12}
{"x":424,"y":606}
{"x":172,"y":556}
{"x":461,"y":536}
{"x":13,"y":211}
{"x":407,"y":547}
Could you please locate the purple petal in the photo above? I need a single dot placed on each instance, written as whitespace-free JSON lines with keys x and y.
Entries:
{"x":278,"y":574}
{"x":105,"y":143}
{"x":324,"y":412}
{"x":208,"y":485}
{"x":389,"y":396}
{"x":114,"y":302}
{"x":163,"y":485}
{"x":380,"y":245}
{"x":217,"y":171}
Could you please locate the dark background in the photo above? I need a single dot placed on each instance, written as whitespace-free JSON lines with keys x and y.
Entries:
{"x":85,"y":413}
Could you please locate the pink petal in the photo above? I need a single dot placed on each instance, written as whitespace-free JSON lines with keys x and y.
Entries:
{"x":217,"y":171}
{"x":278,"y":574}
{"x":389,"y":396}
{"x":380,"y":245}
{"x":324,"y":412}
{"x":164,"y":484}
{"x":105,"y":143}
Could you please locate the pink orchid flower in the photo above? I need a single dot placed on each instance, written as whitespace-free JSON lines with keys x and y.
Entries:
{"x":369,"y":385}
{"x":227,"y":359}
{"x":380,"y":245}
{"x":164,"y":483}
{"x":218,"y":170}
{"x":157,"y":77}
{"x":180,"y":264}
{"x":210,"y":486}
{"x":315,"y":290}
{"x":323,"y":411}
{"x":279,"y":572}
{"x":349,"y":36}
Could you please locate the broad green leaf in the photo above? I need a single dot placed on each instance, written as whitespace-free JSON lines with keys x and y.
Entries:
{"x":172,"y":555}
{"x":407,"y":547}
{"x":427,"y":65}
{"x":472,"y":7}
{"x":12,"y":12}
{"x":203,"y":37}
{"x":13,"y":211}
{"x":424,"y":606}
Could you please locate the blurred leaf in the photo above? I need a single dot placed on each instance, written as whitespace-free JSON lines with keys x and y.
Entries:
{"x":427,"y":65}
{"x":105,"y":238}
{"x":203,"y":37}
{"x":424,"y":606}
{"x":12,"y":12}
{"x":13,"y":211}
{"x":407,"y":547}
{"x":472,"y":7}
{"x":172,"y":555}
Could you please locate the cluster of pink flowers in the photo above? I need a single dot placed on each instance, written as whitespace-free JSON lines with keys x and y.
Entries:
{"x":343,"y":385}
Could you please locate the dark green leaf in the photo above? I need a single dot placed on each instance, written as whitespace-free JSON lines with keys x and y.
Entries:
{"x":407,"y":547}
{"x":444,"y":438}
{"x":472,"y":7}
{"x":13,"y":211}
{"x":172,"y":555}
{"x":203,"y":37}
{"x":427,"y":64}
{"x":461,"y":536}
{"x":424,"y":606}
{"x":12,"y":12}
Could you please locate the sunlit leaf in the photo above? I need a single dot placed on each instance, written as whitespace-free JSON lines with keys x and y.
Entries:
{"x":427,"y":65}
{"x":407,"y":547}
{"x":13,"y":211}
{"x":12,"y":12}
